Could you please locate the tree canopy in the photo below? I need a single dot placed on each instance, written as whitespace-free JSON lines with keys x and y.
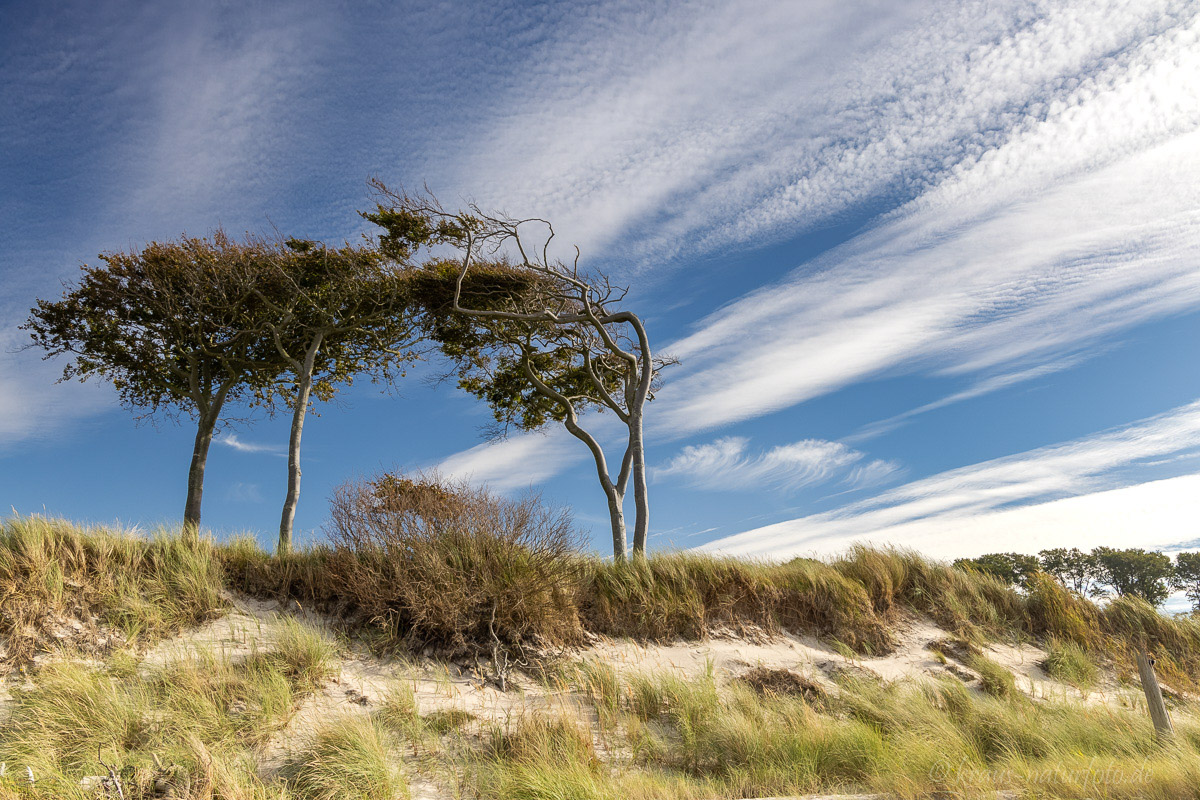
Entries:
{"x":172,"y":326}
{"x":1136,"y":572}
{"x":1013,"y":569}
{"x":332,"y":314}
{"x":539,"y":339}
{"x":1073,"y":568}
{"x":1187,"y":576}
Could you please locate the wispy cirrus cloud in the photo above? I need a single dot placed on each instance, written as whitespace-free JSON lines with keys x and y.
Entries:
{"x":652,"y":134}
{"x":26,"y":411}
{"x":234,"y":442}
{"x":727,"y":464}
{"x":1097,"y":490}
{"x":1013,"y":289}
{"x":1040,"y":162}
{"x":515,"y":462}
{"x":133,"y":123}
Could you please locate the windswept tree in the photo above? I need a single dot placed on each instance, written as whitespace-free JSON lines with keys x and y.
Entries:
{"x":172,"y":327}
{"x":541,"y":340}
{"x":331,"y":314}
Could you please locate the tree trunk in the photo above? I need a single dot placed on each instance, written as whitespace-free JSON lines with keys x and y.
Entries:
{"x":641,"y":499}
{"x":616,"y":499}
{"x":616,"y":515}
{"x":299,"y":411}
{"x":195,"y":487}
{"x":1163,"y":729}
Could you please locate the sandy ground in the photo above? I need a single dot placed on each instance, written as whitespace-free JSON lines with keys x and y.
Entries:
{"x":364,"y":681}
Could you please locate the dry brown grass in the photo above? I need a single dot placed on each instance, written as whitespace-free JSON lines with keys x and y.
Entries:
{"x":426,"y":563}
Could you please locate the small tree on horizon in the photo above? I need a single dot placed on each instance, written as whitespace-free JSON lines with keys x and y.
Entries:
{"x":171,"y":327}
{"x":1073,"y":568}
{"x":1187,"y":576}
{"x":1013,"y":569}
{"x":1137,"y":573}
{"x":550,"y":346}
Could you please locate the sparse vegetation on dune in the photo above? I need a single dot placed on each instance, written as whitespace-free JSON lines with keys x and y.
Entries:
{"x":197,"y":723}
{"x":348,"y":759}
{"x":489,"y":572}
{"x":189,"y":727}
{"x":695,"y":739}
{"x":87,"y":587}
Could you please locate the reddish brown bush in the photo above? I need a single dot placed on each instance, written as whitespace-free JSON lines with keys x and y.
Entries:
{"x":445,"y":564}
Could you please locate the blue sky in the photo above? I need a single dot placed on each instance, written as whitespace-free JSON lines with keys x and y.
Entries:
{"x":931,"y":269}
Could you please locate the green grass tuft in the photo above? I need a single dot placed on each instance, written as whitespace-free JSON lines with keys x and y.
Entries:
{"x":348,"y":759}
{"x":1070,"y":663}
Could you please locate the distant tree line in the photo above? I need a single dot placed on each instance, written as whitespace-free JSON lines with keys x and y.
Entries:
{"x":1134,"y":572}
{"x":194,"y":326}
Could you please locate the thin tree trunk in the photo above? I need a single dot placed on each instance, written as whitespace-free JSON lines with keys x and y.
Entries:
{"x":616,"y":499}
{"x":299,"y":412}
{"x":1163,"y":729}
{"x":641,"y":498}
{"x":616,"y":515}
{"x":195,"y":488}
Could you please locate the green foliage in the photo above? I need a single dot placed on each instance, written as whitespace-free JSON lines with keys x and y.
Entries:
{"x":412,"y":223}
{"x":355,"y":301}
{"x":1013,"y":569}
{"x":168,"y":325}
{"x":494,"y":357}
{"x":1187,"y":576}
{"x":1136,"y":572}
{"x":1073,"y":568}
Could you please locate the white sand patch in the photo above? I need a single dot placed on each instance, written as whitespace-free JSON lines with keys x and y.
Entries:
{"x":729,"y":657}
{"x":250,"y":625}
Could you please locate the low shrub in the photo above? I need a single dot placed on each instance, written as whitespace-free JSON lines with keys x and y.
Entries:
{"x":423,"y":562}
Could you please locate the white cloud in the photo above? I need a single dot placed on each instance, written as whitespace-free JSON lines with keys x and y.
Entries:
{"x":1092,"y":491}
{"x":725,"y":464}
{"x":183,"y":122}
{"x":245,"y":493}
{"x":27,"y":410}
{"x":874,"y":473}
{"x":1045,"y":158}
{"x":1019,"y":286}
{"x":705,"y":127}
{"x":234,"y":442}
{"x":516,"y":462}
